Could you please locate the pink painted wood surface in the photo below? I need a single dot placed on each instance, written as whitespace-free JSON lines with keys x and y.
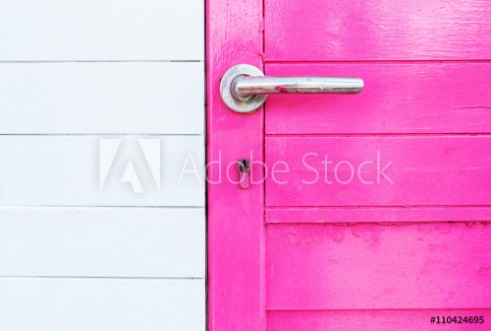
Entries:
{"x":235,"y":216}
{"x":420,"y":171}
{"x":377,"y":215}
{"x":312,"y":30}
{"x":380,"y":320}
{"x":392,"y":248}
{"x":375,"y":266}
{"x":424,"y":97}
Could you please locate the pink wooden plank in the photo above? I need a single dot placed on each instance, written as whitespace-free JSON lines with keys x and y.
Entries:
{"x":419,"y":171}
{"x":397,"y":98}
{"x":235,"y":216}
{"x":312,"y":30}
{"x":373,"y":266}
{"x":379,"y":320}
{"x":377,"y":215}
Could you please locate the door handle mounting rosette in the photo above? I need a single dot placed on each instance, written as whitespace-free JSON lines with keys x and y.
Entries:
{"x":244,"y":88}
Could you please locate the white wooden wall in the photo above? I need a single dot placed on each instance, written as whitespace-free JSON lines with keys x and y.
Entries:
{"x":90,"y":89}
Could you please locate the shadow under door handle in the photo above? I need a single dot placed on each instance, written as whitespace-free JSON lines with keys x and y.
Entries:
{"x":244,"y":88}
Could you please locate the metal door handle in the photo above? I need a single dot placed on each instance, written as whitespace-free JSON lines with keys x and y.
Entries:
{"x":244,"y":88}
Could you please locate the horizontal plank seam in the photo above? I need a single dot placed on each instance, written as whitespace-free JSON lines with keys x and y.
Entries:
{"x":99,"y":206}
{"x":371,"y":222}
{"x":102,"y":134}
{"x":99,"y":61}
{"x":405,"y":61}
{"x":402,"y":207}
{"x":367,"y":309}
{"x":429,"y":134}
{"x":101,"y":277}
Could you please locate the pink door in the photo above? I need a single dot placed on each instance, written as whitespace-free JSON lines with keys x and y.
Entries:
{"x":375,"y":208}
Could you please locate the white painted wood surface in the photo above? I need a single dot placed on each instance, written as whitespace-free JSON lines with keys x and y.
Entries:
{"x":65,"y":171}
{"x":93,"y":98}
{"x":80,"y":249}
{"x":102,"y":242}
{"x":101,"y":30}
{"x":101,"y":304}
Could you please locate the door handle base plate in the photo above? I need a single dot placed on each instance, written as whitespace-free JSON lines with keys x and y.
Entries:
{"x":231,"y":99}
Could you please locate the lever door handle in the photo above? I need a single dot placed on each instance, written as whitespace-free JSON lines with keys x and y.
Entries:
{"x":244,"y":88}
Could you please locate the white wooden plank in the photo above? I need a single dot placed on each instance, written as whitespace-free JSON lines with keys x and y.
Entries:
{"x":102,"y":242}
{"x":164,"y":98}
{"x":101,"y":30}
{"x":87,"y":304}
{"x":106,"y":170}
